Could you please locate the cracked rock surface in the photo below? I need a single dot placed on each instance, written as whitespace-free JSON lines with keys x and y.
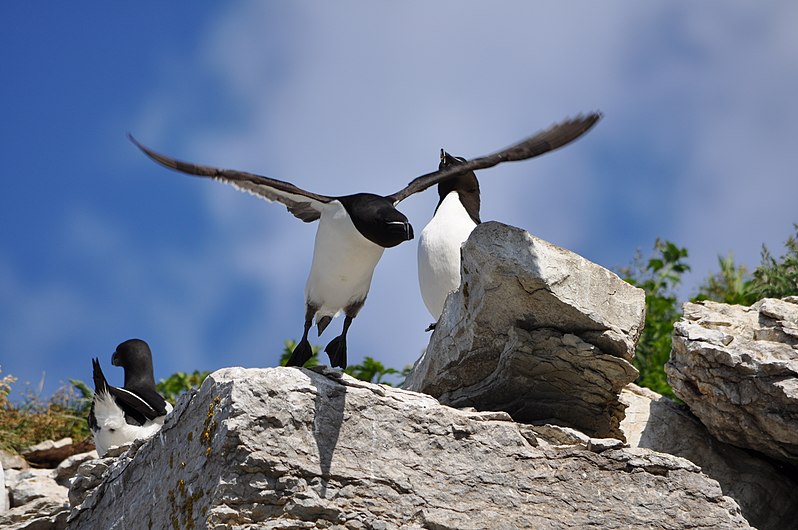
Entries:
{"x":534,"y":330}
{"x":297,"y":448}
{"x":736,"y":368}
{"x":767,"y":495}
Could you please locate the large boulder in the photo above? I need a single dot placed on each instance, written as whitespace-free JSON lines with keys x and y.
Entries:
{"x":767,"y":496}
{"x":534,"y":330}
{"x":736,"y":368}
{"x":296,"y":448}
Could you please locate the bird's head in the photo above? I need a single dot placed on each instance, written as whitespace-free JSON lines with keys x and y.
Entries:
{"x":135,"y":357}
{"x":377,"y":219}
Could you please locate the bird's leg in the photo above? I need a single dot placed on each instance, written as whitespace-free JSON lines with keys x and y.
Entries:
{"x":322,"y":324}
{"x":336,"y":349}
{"x":303,"y":352}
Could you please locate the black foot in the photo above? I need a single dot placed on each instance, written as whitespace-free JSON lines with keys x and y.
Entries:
{"x":301,"y":354}
{"x":431,"y":327}
{"x":336,"y":349}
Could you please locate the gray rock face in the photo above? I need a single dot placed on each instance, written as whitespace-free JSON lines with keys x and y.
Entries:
{"x":290,"y":448}
{"x":767,"y":497}
{"x":66,"y":469}
{"x":737,"y":369}
{"x":534,"y":330}
{"x":37,"y":501}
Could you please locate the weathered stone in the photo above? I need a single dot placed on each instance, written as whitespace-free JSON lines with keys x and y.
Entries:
{"x":25,"y":486}
{"x":47,"y":445}
{"x":768,"y":497}
{"x":291,"y":448}
{"x":39,"y":514}
{"x":68,"y":467}
{"x":87,"y":477}
{"x":50,"y":454}
{"x":4,"y":503}
{"x":12,"y":461}
{"x":736,"y":368}
{"x":534,"y":330}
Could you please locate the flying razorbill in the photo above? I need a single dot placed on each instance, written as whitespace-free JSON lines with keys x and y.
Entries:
{"x":137,"y":410}
{"x":354,"y":230}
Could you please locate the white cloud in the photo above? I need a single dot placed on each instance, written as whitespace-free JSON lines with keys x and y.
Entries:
{"x":699,"y":117}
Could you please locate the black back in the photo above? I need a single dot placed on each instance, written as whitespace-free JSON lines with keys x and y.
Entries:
{"x":466,"y":185}
{"x":135,"y":357}
{"x":377,"y":219}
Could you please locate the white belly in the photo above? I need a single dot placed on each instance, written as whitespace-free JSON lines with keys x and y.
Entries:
{"x":343,"y":263}
{"x":439,"y":252}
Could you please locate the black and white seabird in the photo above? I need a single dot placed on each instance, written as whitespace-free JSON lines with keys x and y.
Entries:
{"x":455,"y":217}
{"x":137,"y":410}
{"x":354,"y":230}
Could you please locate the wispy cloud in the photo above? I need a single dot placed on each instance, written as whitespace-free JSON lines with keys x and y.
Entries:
{"x":696,"y":147}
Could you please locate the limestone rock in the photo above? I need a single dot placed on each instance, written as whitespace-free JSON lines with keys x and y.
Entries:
{"x":4,"y":503}
{"x":292,"y":448}
{"x":39,"y":514}
{"x":37,"y":501}
{"x":25,"y":486}
{"x":12,"y":461}
{"x":736,"y":368}
{"x":50,"y":454}
{"x":534,"y":330}
{"x":68,"y":467}
{"x":768,"y":497}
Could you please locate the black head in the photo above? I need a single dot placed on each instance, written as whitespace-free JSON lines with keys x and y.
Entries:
{"x":377,"y":219}
{"x":135,"y":357}
{"x":466,"y":185}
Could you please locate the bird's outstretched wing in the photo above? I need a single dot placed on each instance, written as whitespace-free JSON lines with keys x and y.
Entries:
{"x":547,"y":140}
{"x":305,"y":205}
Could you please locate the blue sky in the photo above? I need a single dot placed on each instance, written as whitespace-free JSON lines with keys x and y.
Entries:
{"x":98,"y":244}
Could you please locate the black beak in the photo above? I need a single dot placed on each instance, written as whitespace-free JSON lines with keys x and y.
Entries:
{"x":115,"y":359}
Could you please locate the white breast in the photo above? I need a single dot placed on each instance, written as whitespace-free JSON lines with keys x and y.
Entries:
{"x":439,"y":252}
{"x":343,"y":263}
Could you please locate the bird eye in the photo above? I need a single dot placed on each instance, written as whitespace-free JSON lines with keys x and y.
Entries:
{"x":111,"y":430}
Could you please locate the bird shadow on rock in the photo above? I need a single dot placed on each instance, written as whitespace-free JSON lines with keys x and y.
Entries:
{"x":329,"y":415}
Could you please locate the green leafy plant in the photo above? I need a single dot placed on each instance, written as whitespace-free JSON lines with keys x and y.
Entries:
{"x":777,"y":278}
{"x":178,"y":383}
{"x":773,"y":278}
{"x":658,"y":277}
{"x":731,"y":285}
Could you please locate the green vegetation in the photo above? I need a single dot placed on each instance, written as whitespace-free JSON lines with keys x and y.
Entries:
{"x":662,"y":273}
{"x":35,"y":420}
{"x":370,"y":369}
{"x":64,"y":414}
{"x":658,"y":277}
{"x":178,"y":383}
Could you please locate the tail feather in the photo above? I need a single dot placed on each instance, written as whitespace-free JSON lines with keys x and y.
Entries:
{"x":100,"y":383}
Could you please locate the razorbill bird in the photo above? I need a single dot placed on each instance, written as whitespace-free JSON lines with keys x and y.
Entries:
{"x":456,"y":215}
{"x":354,"y":230}
{"x":137,"y":410}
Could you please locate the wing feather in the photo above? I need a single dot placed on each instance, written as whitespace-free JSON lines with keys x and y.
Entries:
{"x":303,"y":204}
{"x":554,"y":137}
